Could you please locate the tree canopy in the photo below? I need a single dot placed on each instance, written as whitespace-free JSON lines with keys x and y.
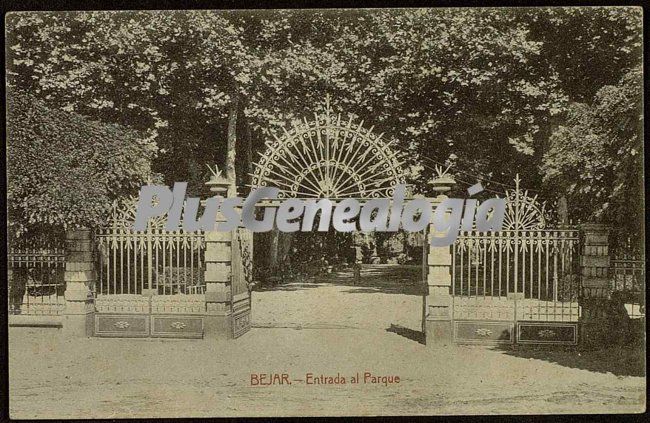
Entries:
{"x":64,"y":170}
{"x":481,"y":88}
{"x":596,"y":158}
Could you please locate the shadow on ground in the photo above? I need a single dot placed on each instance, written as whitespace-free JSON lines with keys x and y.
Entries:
{"x":413,"y":335}
{"x":383,"y":278}
{"x":620,"y":361}
{"x":288,"y":286}
{"x":375,"y":278}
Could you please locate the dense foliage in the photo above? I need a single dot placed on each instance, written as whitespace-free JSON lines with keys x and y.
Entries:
{"x":596,"y":158}
{"x":482,"y":88}
{"x":64,"y":169}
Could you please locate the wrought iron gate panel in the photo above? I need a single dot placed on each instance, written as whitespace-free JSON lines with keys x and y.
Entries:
{"x":241,"y":280}
{"x":525,"y":277}
{"x":534,"y":272}
{"x":153,"y":261}
{"x":150,"y":283}
{"x":627,"y":275}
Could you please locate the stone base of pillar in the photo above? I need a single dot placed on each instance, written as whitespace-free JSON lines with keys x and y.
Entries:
{"x":437,"y":323}
{"x":78,"y":325}
{"x":438,"y":333}
{"x":596,"y":333}
{"x":217,"y":327}
{"x":604,"y":322}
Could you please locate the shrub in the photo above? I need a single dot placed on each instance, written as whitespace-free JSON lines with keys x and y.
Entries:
{"x":65,"y":169}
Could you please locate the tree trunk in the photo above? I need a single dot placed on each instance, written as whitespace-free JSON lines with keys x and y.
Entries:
{"x":249,"y":154}
{"x":273,"y":254}
{"x":232,"y":143}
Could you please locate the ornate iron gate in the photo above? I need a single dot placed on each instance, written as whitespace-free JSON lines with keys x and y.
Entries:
{"x":150,"y":283}
{"x":518,"y":285}
{"x":242,"y":279}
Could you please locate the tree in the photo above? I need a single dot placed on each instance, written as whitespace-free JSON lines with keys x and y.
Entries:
{"x":450,"y":80}
{"x":588,"y":47}
{"x":170,"y":75}
{"x":64,"y":170}
{"x":442,"y":81}
{"x":596,"y":158}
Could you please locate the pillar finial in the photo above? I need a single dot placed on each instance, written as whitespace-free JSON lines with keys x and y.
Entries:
{"x":217,"y":183}
{"x":442,"y":182}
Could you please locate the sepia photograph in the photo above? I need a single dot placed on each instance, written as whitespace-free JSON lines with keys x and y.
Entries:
{"x":325,"y":212}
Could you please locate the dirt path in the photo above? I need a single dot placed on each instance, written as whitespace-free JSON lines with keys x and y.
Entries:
{"x":385,"y":296}
{"x":370,"y":330}
{"x":143,"y":378}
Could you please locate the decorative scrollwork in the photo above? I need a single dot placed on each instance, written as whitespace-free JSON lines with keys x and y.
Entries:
{"x":245,"y":242}
{"x":242,"y":322}
{"x":331,"y":158}
{"x":122,"y":215}
{"x":178,"y":325}
{"x":522,"y":211}
{"x":483,"y":332}
{"x":546,"y":334}
{"x":121,"y":324}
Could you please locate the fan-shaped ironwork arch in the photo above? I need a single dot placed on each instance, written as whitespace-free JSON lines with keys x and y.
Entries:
{"x":523,"y":213}
{"x":329,"y":158}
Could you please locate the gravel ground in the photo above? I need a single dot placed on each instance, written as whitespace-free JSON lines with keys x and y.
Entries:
{"x":371,"y":329}
{"x":321,"y":303}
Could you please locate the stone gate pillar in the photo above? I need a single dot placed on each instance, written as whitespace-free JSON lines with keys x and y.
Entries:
{"x":79,"y":277}
{"x":438,"y":314}
{"x":218,"y":259}
{"x":597,"y":317}
{"x":594,"y":260}
{"x":438,"y":305}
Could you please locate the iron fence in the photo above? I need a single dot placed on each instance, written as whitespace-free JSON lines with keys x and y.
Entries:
{"x":155,"y":260}
{"x":534,"y":273}
{"x":627,"y":276}
{"x":36,"y":279}
{"x":164,"y":262}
